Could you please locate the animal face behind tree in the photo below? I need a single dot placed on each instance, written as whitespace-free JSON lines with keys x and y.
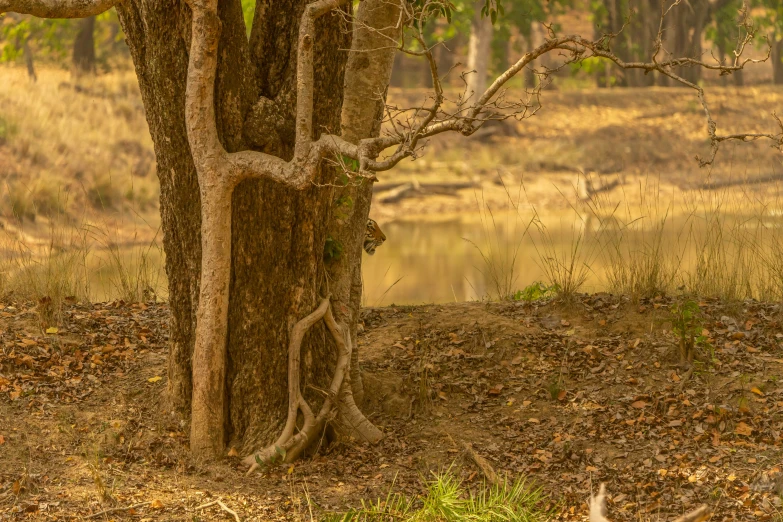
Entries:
{"x":373,"y":237}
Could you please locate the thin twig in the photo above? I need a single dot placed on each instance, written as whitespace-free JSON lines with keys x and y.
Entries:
{"x":222,"y":506}
{"x":697,"y":515}
{"x":117,"y":509}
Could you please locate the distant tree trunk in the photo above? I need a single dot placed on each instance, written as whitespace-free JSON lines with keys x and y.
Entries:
{"x":688,"y":27}
{"x":777,"y":59}
{"x":410,"y":71}
{"x":84,"y":47}
{"x":28,"y":58}
{"x":530,"y":75}
{"x":724,"y":82}
{"x":445,"y":56}
{"x":479,"y":52}
{"x":500,"y":50}
{"x":602,"y":74}
{"x":641,"y":40}
{"x":739,"y":78}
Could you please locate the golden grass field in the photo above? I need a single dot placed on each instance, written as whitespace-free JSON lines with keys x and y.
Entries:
{"x":79,"y":190}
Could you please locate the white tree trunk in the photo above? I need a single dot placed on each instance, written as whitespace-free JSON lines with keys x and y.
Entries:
{"x":478,"y":53}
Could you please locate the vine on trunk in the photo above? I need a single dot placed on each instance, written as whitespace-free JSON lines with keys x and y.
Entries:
{"x":289,"y":445}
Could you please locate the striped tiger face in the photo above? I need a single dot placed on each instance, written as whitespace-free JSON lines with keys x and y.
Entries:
{"x":373,"y":237}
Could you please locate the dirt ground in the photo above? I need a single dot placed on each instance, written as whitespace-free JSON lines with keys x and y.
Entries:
{"x":568,"y":396}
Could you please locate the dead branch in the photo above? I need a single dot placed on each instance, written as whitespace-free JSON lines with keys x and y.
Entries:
{"x":118,"y":509}
{"x":714,"y":185}
{"x":222,"y":506}
{"x":483,"y":464}
{"x":435,"y":187}
{"x":598,"y":509}
{"x":409,"y":126}
{"x":414,"y":189}
{"x":58,"y":8}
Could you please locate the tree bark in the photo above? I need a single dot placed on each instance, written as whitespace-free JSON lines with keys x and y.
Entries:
{"x":84,"y":47}
{"x":277,"y":232}
{"x":368,"y":74}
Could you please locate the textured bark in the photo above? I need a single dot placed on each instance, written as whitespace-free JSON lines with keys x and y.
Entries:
{"x":367,"y":77}
{"x":158,"y":38}
{"x":84,"y":46}
{"x":57,"y":8}
{"x":278,"y":237}
{"x":277,"y":231}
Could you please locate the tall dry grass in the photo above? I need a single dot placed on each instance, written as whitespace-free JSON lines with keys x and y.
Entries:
{"x":85,"y":141}
{"x":80,"y":261}
{"x":78,"y":191}
{"x":502,"y":242}
{"x":641,"y":242}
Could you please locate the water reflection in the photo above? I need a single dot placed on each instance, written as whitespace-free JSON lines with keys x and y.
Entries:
{"x":436,"y":262}
{"x":726,"y":253}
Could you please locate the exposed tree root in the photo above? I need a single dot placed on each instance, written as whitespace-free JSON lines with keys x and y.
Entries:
{"x":117,"y":509}
{"x":338,"y":401}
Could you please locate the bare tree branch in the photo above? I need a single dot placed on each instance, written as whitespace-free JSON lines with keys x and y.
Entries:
{"x":429,"y":120}
{"x":57,"y":8}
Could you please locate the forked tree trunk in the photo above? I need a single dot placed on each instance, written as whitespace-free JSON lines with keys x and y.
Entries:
{"x":84,"y":47}
{"x":277,"y":272}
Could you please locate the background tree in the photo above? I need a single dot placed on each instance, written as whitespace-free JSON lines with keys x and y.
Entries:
{"x":636,"y":23}
{"x":771,"y":20}
{"x":723,"y":34}
{"x":478,"y":49}
{"x":84,"y":46}
{"x":94,"y":42}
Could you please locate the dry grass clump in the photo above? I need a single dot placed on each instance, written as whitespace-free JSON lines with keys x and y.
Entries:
{"x":712,"y":243}
{"x":643,"y":242}
{"x":76,"y":161}
{"x":67,"y":145}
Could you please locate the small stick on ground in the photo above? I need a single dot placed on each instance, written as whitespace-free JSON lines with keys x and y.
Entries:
{"x":117,"y":509}
{"x":483,"y":464}
{"x":687,"y":375}
{"x":222,"y":506}
{"x":598,"y":508}
{"x":698,"y":515}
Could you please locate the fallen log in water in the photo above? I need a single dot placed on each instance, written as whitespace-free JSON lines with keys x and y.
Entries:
{"x":395,"y":192}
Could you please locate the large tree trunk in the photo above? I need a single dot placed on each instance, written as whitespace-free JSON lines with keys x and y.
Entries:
{"x":84,"y":47}
{"x":277,"y":273}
